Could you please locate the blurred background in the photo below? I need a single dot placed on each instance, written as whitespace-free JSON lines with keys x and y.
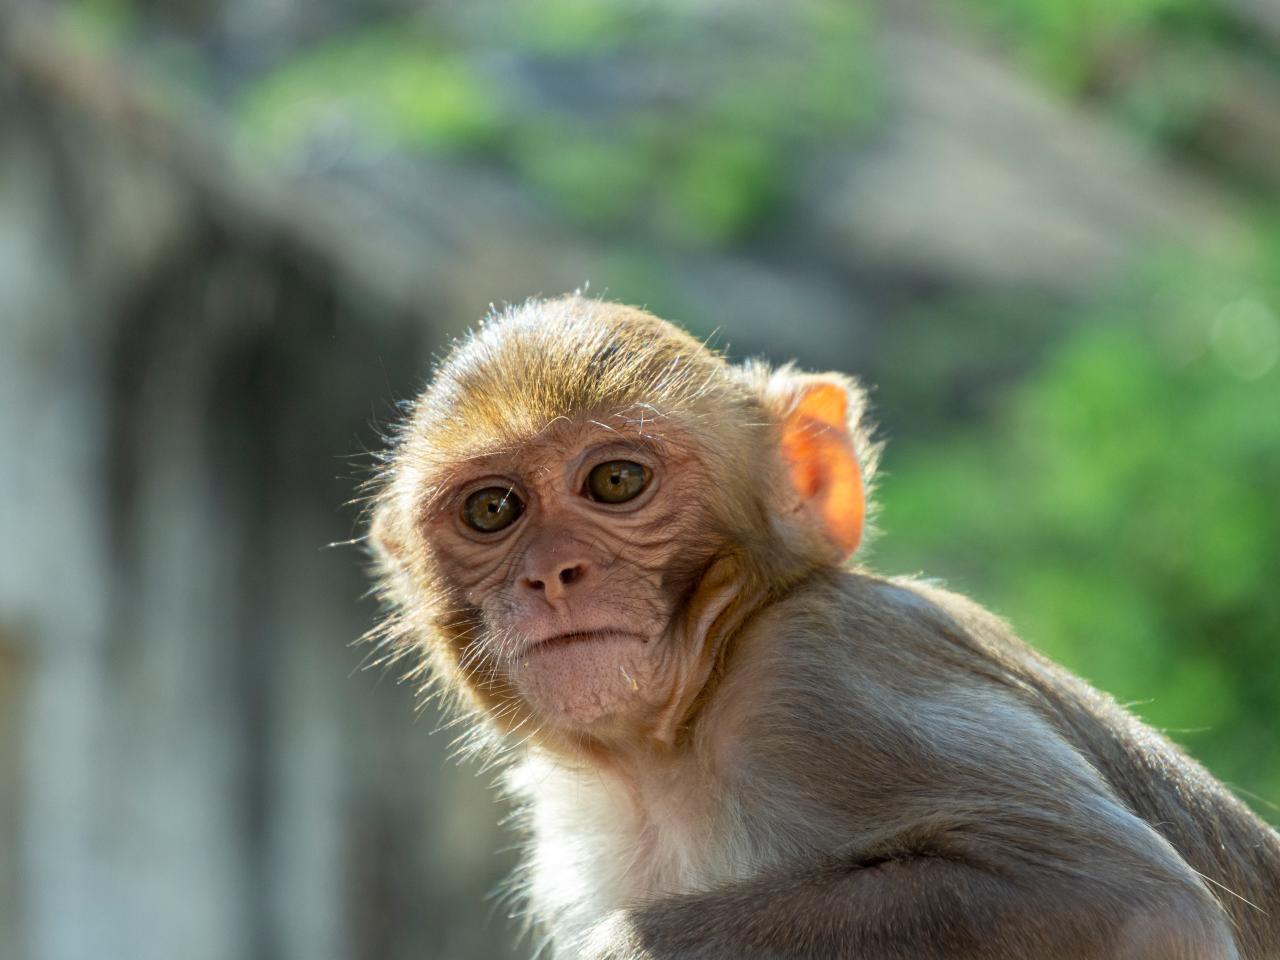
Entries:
{"x":234,"y":232}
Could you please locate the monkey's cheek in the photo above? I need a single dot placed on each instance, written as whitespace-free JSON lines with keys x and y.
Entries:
{"x":582,"y":683}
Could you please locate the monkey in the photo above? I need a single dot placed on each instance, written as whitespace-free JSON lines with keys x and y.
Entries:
{"x":629,"y":567}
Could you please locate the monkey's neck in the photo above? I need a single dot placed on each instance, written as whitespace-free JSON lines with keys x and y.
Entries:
{"x":730,"y":597}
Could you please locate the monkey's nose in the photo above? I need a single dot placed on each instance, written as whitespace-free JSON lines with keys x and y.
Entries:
{"x":556,"y":584}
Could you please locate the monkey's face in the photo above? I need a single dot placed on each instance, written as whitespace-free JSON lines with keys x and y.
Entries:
{"x":571,"y":561}
{"x":587,"y":502}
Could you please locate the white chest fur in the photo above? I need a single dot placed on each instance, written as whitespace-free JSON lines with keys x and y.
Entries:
{"x":599,"y":843}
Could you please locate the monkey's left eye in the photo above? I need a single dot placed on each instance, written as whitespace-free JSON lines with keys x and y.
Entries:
{"x":617,"y":481}
{"x":492,"y":509}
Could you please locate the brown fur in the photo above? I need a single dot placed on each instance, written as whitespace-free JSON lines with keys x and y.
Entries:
{"x":830,"y":764}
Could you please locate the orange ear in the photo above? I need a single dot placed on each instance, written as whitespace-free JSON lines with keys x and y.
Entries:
{"x":823,"y":464}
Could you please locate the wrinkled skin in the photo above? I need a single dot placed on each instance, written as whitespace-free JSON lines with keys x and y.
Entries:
{"x":579,"y":600}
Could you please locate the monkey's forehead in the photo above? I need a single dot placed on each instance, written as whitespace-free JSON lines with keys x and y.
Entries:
{"x":638,"y":426}
{"x":548,"y":363}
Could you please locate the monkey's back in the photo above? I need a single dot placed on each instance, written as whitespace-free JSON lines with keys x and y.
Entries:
{"x":1234,"y":850}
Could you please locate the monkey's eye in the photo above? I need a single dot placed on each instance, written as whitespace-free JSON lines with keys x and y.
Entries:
{"x":492,"y":509}
{"x":617,"y":481}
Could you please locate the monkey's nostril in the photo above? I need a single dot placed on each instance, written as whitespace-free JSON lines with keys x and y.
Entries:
{"x":554,"y":588}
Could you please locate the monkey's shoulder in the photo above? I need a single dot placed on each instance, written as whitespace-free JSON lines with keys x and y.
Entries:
{"x":903,"y":647}
{"x":867,"y":661}
{"x":910,"y":627}
{"x":872,"y":672}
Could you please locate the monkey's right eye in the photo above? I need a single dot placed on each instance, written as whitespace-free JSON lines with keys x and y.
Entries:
{"x":492,"y":509}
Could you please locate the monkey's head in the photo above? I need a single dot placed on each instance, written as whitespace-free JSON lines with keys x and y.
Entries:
{"x":586,"y":503}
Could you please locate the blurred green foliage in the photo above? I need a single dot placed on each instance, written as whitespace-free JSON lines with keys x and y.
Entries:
{"x":380,"y":84}
{"x":1065,"y":39}
{"x":1121,"y":508}
{"x":681,"y":121}
{"x":1180,"y":74}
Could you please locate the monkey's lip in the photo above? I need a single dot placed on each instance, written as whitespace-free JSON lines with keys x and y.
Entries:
{"x":570,"y":637}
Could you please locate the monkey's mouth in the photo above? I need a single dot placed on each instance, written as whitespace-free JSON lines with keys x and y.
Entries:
{"x":584,"y":676}
{"x":561,"y":640}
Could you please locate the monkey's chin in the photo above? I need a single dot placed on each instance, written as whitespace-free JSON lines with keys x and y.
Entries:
{"x":585,"y":679}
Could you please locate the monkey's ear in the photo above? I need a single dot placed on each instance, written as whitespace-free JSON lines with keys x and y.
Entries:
{"x":818,"y":450}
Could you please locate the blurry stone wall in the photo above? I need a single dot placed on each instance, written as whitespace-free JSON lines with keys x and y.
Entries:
{"x":187,"y":385}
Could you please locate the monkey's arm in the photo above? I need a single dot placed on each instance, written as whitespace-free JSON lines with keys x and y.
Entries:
{"x":928,"y":906}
